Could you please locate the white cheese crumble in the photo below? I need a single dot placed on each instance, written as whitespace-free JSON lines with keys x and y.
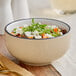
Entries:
{"x":37,"y":37}
{"x":28,"y":34}
{"x":19,"y":31}
{"x":36,"y":33}
{"x":61,"y":33}
{"x":49,"y":35}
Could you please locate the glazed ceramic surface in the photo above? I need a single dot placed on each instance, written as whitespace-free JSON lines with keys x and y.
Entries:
{"x":37,"y":51}
{"x":12,"y":10}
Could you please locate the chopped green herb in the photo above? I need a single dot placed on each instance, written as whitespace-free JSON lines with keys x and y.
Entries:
{"x":38,"y":29}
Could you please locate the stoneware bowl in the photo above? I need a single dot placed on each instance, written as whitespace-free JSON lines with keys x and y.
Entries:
{"x":37,"y":51}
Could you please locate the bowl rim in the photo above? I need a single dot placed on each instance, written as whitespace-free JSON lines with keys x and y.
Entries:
{"x":36,"y":18}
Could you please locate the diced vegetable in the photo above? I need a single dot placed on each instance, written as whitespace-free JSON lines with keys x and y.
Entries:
{"x":31,"y":37}
{"x":55,"y":29}
{"x":13,"y":33}
{"x":38,"y":31}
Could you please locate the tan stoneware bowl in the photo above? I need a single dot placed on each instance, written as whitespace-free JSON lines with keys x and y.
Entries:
{"x":37,"y":51}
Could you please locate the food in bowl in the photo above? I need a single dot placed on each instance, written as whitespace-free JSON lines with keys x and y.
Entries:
{"x":38,"y":31}
{"x":37,"y":52}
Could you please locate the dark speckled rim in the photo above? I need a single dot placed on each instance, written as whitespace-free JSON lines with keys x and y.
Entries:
{"x":37,"y":18}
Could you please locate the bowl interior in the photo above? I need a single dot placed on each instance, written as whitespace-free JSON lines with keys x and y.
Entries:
{"x":25,"y":22}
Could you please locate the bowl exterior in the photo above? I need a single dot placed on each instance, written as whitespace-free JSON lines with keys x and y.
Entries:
{"x":37,"y":51}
